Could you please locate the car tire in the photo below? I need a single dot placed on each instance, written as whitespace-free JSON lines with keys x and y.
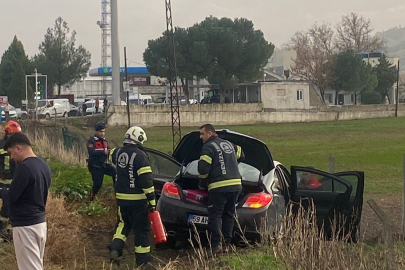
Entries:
{"x":47,"y":116}
{"x":66,"y":115}
{"x":171,"y":242}
{"x":24,"y":117}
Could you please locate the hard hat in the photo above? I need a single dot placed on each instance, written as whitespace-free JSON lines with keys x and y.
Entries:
{"x":134,"y":135}
{"x":12,"y":127}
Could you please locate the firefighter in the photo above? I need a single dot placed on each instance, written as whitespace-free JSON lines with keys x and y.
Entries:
{"x":218,"y":168}
{"x":7,"y":165}
{"x":98,"y":149}
{"x":135,"y":197}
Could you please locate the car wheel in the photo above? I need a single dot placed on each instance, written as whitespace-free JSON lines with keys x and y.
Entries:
{"x":171,"y":242}
{"x":47,"y":116}
{"x":66,"y":115}
{"x":24,"y":117}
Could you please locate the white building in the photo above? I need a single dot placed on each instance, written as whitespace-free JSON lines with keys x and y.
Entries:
{"x":281,"y":61}
{"x":289,"y":95}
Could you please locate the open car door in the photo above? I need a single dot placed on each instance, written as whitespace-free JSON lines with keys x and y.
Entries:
{"x":330,"y":195}
{"x":355,"y":207}
{"x":164,"y":168}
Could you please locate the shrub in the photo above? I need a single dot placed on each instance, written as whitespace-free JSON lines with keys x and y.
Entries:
{"x":370,"y":97}
{"x":74,"y":191}
{"x":94,"y":208}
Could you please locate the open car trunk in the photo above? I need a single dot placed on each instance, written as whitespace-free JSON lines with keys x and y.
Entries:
{"x":189,"y":186}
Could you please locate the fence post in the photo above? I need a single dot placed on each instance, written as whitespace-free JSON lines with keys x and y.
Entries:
{"x":331,"y":164}
{"x":403,"y":196}
{"x":387,"y":233}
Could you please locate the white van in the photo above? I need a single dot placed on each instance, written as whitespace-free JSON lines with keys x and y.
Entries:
{"x":91,"y":106}
{"x":142,"y":99}
{"x":48,"y":108}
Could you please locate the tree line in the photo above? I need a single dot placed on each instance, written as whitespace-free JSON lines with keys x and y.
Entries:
{"x":223,"y":51}
{"x":59,"y":58}
{"x":331,"y":58}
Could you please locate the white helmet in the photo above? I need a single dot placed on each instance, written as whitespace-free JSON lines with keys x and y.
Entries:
{"x":134,"y":135}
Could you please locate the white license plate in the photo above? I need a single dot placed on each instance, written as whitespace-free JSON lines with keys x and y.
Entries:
{"x":198,"y":219}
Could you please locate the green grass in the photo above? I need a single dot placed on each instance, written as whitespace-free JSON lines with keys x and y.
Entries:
{"x":253,"y":261}
{"x":374,"y":146}
{"x":63,"y":174}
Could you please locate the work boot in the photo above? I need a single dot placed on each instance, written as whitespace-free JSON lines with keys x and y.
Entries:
{"x":213,"y":251}
{"x":228,"y":248}
{"x":114,"y":256}
{"x":144,"y":260}
{"x":92,"y":196}
{"x":147,"y":266}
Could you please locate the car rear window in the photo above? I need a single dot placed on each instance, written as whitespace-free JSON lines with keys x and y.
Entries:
{"x":248,"y":173}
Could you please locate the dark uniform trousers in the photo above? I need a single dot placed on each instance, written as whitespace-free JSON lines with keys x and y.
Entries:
{"x":6,"y":204}
{"x":97,"y":173}
{"x":134,"y":217}
{"x":221,"y":216}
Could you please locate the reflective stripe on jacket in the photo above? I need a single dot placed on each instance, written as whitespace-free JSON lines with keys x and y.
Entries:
{"x":134,"y":175}
{"x":218,"y":164}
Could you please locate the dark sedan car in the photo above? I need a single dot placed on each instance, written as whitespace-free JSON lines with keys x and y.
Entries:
{"x":267,"y":188}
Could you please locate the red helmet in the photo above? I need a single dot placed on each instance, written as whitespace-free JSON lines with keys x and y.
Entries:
{"x":12,"y":127}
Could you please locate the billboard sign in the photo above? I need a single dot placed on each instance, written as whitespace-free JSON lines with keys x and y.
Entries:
{"x":137,"y":81}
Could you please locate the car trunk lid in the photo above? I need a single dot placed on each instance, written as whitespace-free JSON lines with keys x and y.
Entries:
{"x":256,"y":152}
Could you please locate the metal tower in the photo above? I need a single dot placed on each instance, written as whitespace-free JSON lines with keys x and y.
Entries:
{"x":174,"y":94}
{"x":105,"y":26}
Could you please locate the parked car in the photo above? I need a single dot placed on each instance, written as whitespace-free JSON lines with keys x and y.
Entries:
{"x":74,"y":110}
{"x":12,"y":114}
{"x":213,"y":96}
{"x":161,"y":100}
{"x":21,"y":114}
{"x":191,"y":101}
{"x":267,"y":188}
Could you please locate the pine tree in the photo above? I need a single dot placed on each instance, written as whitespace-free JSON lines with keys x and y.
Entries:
{"x":386,"y":75}
{"x":13,"y":67}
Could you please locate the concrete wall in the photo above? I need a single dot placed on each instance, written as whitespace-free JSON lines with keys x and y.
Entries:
{"x":243,"y":114}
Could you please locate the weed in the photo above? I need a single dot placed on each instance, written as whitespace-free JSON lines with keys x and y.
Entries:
{"x":93,"y":208}
{"x":74,"y":191}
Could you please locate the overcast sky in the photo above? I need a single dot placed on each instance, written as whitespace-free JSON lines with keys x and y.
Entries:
{"x":141,"y":20}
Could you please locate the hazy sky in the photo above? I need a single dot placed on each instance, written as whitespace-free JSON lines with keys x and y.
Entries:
{"x":140,"y":21}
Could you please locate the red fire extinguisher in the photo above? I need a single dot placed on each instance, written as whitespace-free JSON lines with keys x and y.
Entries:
{"x":159,"y":231}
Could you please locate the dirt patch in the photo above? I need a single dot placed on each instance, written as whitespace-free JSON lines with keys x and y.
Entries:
{"x":371,"y":225}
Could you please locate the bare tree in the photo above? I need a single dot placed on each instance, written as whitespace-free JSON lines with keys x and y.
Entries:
{"x":354,"y":33}
{"x":314,"y":49}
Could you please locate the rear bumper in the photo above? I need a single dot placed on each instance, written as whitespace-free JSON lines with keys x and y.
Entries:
{"x":175,"y":214}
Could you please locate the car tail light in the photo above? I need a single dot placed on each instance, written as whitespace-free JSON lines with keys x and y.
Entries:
{"x":258,"y":200}
{"x":171,"y":191}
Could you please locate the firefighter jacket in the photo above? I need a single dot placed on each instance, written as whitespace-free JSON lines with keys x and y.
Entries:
{"x":219,"y":165}
{"x":134,"y":175}
{"x":7,"y":165}
{"x":96,"y":147}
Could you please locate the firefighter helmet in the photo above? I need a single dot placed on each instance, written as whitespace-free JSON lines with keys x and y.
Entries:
{"x":12,"y":127}
{"x":134,"y":135}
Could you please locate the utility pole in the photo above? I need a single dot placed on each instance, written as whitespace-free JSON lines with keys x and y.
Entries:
{"x":115,"y":54}
{"x":127,"y":84}
{"x":397,"y":93}
{"x":36,"y":92}
{"x":105,"y":26}
{"x":174,"y":94}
